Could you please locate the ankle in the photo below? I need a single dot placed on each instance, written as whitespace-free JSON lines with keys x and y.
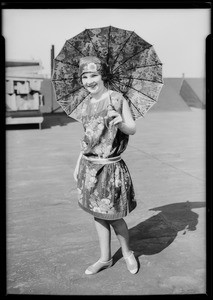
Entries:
{"x":127,"y":253}
{"x":105,"y":258}
{"x":98,"y":266}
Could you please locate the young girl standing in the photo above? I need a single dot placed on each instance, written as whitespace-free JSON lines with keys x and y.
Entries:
{"x":104,"y":184}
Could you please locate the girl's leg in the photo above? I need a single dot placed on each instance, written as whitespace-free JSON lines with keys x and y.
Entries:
{"x":104,"y":235}
{"x":122,"y":234}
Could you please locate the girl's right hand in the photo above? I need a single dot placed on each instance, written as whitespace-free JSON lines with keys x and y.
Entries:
{"x":75,"y":174}
{"x":115,"y":117}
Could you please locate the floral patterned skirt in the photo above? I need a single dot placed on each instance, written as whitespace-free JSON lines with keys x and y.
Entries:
{"x":105,"y":190}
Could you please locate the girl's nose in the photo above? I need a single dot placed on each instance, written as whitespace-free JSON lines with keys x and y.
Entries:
{"x":90,"y":80}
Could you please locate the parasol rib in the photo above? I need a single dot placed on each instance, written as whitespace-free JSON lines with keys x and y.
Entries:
{"x":65,"y":79}
{"x":68,"y":63}
{"x":92,"y":42}
{"x":108,"y":44}
{"x":116,"y":87}
{"x":132,"y":56}
{"x":80,"y":102}
{"x":122,"y":48}
{"x":133,"y":105}
{"x":69,"y":93}
{"x":128,"y":86}
{"x":141,"y":79}
{"x":66,"y":109}
{"x":75,"y":48}
{"x":144,"y":66}
{"x":126,"y":97}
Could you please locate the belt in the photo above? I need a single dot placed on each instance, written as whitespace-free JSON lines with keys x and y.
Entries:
{"x":102,"y":161}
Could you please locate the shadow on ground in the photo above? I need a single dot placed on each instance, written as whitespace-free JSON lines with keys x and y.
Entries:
{"x":158,"y":232}
{"x":56,"y":119}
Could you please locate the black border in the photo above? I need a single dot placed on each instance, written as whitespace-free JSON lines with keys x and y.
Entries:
{"x":209,"y":123}
{"x":209,"y":173}
{"x":106,"y":4}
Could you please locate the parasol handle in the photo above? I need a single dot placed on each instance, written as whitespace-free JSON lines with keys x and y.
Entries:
{"x":110,"y":106}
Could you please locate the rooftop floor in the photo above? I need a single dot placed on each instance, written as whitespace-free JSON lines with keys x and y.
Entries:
{"x":51,"y":241}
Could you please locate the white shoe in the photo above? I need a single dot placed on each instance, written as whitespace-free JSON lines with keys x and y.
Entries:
{"x":98,"y":266}
{"x":132,"y":264}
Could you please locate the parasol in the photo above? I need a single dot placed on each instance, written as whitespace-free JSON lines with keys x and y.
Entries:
{"x":131,"y":67}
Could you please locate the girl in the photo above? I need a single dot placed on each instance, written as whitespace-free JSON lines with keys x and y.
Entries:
{"x":103,"y":180}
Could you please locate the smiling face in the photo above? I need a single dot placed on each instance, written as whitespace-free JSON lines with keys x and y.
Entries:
{"x":93,"y":82}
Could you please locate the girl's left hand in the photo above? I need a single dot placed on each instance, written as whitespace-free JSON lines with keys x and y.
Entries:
{"x":117,"y":118}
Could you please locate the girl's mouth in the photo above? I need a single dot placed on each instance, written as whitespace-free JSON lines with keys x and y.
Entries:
{"x":92,"y":85}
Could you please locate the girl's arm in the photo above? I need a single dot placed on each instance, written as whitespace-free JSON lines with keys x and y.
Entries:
{"x":125,"y":121}
{"x":75,"y":174}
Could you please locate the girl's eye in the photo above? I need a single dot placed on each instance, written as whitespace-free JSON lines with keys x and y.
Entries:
{"x":89,"y":76}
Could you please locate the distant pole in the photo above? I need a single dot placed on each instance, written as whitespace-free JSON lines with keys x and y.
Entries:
{"x":52,"y":56}
{"x":183,"y":78}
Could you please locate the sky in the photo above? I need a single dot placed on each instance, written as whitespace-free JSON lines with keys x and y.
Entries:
{"x":177,"y":35}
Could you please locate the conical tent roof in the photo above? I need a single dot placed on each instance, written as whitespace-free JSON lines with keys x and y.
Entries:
{"x":169,"y":99}
{"x":198,"y":86}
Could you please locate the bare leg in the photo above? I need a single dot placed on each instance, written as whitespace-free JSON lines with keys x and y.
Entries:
{"x":104,"y":235}
{"x":122,"y":234}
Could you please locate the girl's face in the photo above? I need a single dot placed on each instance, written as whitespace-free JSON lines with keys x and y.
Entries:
{"x":92,"y":82}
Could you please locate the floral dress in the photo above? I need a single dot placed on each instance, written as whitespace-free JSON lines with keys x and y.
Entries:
{"x":105,"y":190}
